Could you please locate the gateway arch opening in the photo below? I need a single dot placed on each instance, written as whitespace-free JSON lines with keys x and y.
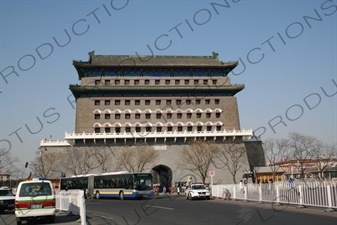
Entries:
{"x":162,"y":176}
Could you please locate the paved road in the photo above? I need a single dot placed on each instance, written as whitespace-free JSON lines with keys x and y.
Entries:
{"x":177,"y":210}
{"x":165,"y":210}
{"x":8,"y":218}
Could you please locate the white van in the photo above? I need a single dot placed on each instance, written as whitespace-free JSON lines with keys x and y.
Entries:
{"x":35,"y":199}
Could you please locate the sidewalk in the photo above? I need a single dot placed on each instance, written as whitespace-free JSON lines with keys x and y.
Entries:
{"x":65,"y":219}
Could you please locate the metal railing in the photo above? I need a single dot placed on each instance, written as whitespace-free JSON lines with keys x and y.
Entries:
{"x":72,"y":202}
{"x":315,"y":193}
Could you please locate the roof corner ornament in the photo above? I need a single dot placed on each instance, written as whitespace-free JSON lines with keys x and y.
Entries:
{"x":91,"y":54}
{"x":215,"y":55}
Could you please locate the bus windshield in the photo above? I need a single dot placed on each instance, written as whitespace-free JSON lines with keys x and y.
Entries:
{"x":143,"y":182}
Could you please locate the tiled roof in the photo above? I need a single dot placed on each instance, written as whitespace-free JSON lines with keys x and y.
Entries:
{"x":157,"y":61}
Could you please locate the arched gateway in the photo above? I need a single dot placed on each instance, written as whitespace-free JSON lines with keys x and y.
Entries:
{"x":162,"y":175}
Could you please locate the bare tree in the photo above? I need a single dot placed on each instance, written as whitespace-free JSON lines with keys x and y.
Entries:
{"x":137,"y":157}
{"x":322,"y":155}
{"x":6,"y":159}
{"x":45,"y":163}
{"x":79,"y":161}
{"x":233,"y":155}
{"x":276,"y":151}
{"x":103,"y":158}
{"x":198,"y":157}
{"x":302,"y":150}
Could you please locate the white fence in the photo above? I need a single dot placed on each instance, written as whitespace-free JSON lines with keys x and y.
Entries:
{"x":319,"y":194}
{"x":72,"y":202}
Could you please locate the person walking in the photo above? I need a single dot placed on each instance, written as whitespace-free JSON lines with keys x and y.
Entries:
{"x":164,"y":190}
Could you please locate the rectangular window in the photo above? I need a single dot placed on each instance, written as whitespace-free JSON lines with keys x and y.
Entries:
{"x":196,"y":82}
{"x":137,"y":116}
{"x":189,"y":115}
{"x":97,"y":116}
{"x":199,"y":128}
{"x":127,"y":102}
{"x":187,"y":81}
{"x":180,"y":129}
{"x":137,"y":102}
{"x":167,"y":82}
{"x":127,"y":129}
{"x":197,"y":102}
{"x":148,"y":129}
{"x":97,"y":130}
{"x":147,"y":82}
{"x":158,"y":116}
{"x":97,"y":102}
{"x":136,"y":82}
{"x":117,"y":129}
{"x":137,"y":129}
{"x":127,"y":116}
{"x":107,"y":130}
{"x":107,"y":102}
{"x":198,"y":115}
{"x":188,"y":102}
{"x":169,"y":129}
{"x":205,"y":81}
{"x":217,"y":101}
{"x":208,"y":115}
{"x":179,"y":115}
{"x":97,"y":82}
{"x":117,"y":116}
{"x":157,"y":82}
{"x":147,"y":102}
{"x":147,"y":116}
{"x":158,"y":102}
{"x":127,"y":82}
{"x":178,"y":102}
{"x":214,"y":81}
{"x":107,"y":82}
{"x":218,"y":128}
{"x":169,"y":116}
{"x":107,"y":116}
{"x":177,"y":82}
{"x":117,"y":82}
{"x":207,"y":101}
{"x":209,"y":128}
{"x":217,"y":115}
{"x":168,"y":102}
{"x":117,"y":102}
{"x":189,"y":128}
{"x":159,"y":129}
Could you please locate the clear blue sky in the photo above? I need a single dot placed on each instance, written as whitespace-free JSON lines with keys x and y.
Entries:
{"x":297,"y":58}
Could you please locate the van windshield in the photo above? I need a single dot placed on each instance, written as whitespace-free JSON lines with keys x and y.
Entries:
{"x":35,"y":189}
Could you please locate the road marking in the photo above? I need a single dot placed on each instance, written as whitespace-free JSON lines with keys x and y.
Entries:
{"x":160,"y":207}
{"x":105,"y":217}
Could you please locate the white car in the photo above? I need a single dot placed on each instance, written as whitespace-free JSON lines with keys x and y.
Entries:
{"x":7,"y":199}
{"x":197,"y":191}
{"x":35,"y":199}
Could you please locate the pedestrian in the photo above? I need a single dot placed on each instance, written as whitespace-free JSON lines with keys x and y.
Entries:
{"x":164,"y":190}
{"x":241,"y":186}
{"x":291,"y":183}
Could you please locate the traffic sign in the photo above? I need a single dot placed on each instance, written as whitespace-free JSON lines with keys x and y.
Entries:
{"x":211,"y":173}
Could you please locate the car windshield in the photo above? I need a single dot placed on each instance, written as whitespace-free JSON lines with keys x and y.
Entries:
{"x":197,"y":187}
{"x":35,"y":189}
{"x":6,"y":193}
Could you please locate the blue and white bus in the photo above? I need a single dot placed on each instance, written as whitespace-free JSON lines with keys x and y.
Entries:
{"x":122,"y":185}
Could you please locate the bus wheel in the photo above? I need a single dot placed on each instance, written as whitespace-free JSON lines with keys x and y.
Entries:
{"x":97,"y":194}
{"x":121,"y":195}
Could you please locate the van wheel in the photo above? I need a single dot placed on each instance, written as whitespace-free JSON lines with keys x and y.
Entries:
{"x":52,"y":219}
{"x":121,"y":195}
{"x":18,"y":221}
{"x":97,"y":195}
